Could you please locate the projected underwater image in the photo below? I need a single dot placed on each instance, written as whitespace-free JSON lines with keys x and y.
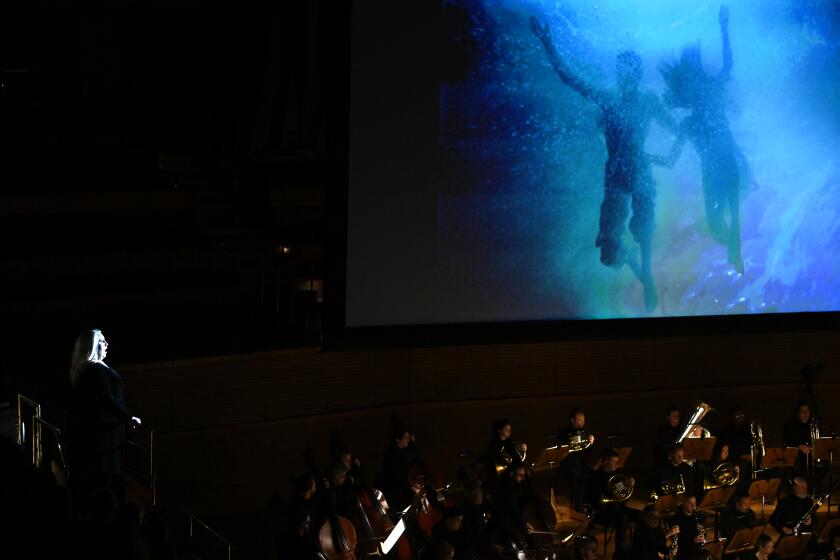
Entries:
{"x":613,"y":159}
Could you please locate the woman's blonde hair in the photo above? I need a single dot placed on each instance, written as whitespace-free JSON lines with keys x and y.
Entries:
{"x":85,"y":351}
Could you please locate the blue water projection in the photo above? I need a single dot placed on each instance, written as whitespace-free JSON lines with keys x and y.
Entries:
{"x":525,"y":152}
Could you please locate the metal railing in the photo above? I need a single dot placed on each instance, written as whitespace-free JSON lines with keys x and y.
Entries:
{"x":146,"y":473}
{"x":22,"y":436}
{"x":46,"y":452}
{"x":219,"y":539}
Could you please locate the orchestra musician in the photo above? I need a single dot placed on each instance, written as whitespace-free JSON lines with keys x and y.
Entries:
{"x":676,"y":471}
{"x":690,"y":522}
{"x":667,"y":434}
{"x":400,"y":457}
{"x":792,"y":508}
{"x":477,"y":522}
{"x":797,"y":433}
{"x":829,"y":550}
{"x":450,"y":529}
{"x":607,"y":511}
{"x":514,"y":494}
{"x":501,"y":450}
{"x":650,"y":540}
{"x":737,"y":516}
{"x":299,"y":540}
{"x":699,"y":431}
{"x":736,"y":434}
{"x":705,"y":469}
{"x":764,"y":547}
{"x":341,"y":455}
{"x":578,"y":463}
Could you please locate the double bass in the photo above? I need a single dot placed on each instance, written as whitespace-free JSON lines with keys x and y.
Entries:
{"x":376,"y":525}
{"x":337,"y":539}
{"x":337,"y":536}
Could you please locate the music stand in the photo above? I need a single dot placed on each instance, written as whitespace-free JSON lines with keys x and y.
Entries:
{"x":764,"y":490}
{"x":623,"y":454}
{"x":550,"y":458}
{"x":666,"y":504}
{"x":825,"y":448}
{"x":826,"y":532}
{"x":779,"y":457}
{"x":744,"y":540}
{"x":715,"y":499}
{"x":700,"y":449}
{"x":715,"y":548}
{"x":792,"y":546}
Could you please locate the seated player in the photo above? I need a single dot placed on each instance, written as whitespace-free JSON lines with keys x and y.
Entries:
{"x":737,"y":516}
{"x":609,"y":513}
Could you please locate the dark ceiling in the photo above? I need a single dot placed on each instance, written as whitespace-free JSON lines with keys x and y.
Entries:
{"x":168,"y":173}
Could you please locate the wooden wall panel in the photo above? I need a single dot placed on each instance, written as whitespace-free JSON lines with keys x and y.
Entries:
{"x":231,"y":429}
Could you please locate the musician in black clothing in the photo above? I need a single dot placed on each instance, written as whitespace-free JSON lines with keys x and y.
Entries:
{"x":650,"y":540}
{"x":738,"y":436}
{"x":764,"y":548}
{"x":477,"y":522}
{"x":797,"y":433}
{"x":691,"y":537}
{"x":611,"y":514}
{"x":831,"y":548}
{"x":400,"y":456}
{"x":450,"y":529}
{"x":667,"y":435}
{"x":341,"y":455}
{"x":577,"y":464}
{"x":299,"y":539}
{"x":501,"y":450}
{"x":514,"y":494}
{"x":737,"y":516}
{"x":792,"y":508}
{"x":705,"y":470}
{"x":676,"y":471}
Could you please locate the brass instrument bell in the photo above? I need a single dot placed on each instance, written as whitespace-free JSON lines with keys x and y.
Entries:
{"x":618,"y":490}
{"x":725,"y":474}
{"x":578,"y":441}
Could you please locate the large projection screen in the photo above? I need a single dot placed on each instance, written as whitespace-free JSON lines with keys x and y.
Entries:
{"x":521,"y":161}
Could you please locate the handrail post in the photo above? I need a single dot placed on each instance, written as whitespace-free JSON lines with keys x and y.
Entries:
{"x":22,"y":430}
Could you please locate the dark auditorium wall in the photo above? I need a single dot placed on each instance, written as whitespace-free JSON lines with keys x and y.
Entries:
{"x":230,"y":430}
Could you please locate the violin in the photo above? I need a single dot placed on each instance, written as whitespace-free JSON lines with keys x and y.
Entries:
{"x":337,"y":538}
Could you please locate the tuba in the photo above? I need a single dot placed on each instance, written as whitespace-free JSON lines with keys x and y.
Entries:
{"x":578,"y":441}
{"x":702,"y":410}
{"x":725,"y":474}
{"x":618,"y":490}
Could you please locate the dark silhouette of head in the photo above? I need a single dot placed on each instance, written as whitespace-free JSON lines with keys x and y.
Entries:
{"x":685,"y":80}
{"x":628,"y":71}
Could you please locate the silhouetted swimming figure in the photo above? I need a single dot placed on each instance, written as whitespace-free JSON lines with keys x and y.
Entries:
{"x":707,"y":128}
{"x":626,"y":115}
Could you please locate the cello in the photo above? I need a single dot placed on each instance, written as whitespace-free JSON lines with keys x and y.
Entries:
{"x":337,"y":539}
